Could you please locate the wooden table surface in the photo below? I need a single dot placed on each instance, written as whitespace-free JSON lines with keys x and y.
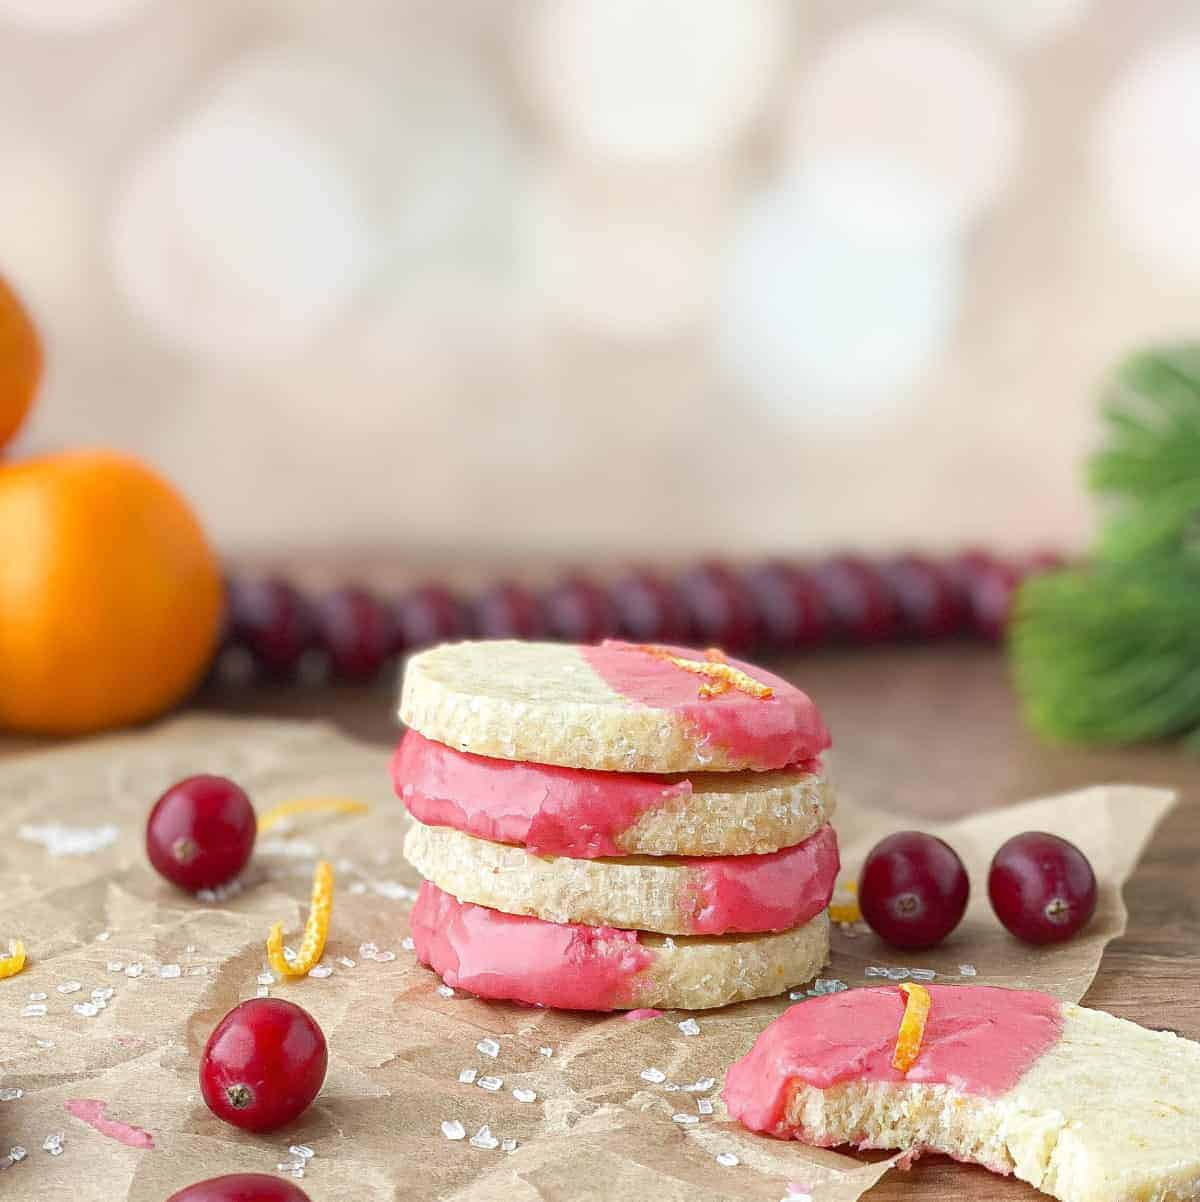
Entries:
{"x":935,"y":731}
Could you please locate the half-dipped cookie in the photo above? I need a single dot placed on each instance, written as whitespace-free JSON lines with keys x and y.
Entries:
{"x":573,"y":967}
{"x":583,"y":813}
{"x":701,"y":895}
{"x":614,"y":707}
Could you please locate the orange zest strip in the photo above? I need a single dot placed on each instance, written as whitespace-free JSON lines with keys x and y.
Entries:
{"x":720,"y":676}
{"x":316,"y":930}
{"x":912,"y":1027}
{"x":846,"y":911}
{"x":310,"y":805}
{"x":14,"y":962}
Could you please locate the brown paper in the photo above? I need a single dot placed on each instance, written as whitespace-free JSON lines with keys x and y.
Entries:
{"x":596,"y":1130}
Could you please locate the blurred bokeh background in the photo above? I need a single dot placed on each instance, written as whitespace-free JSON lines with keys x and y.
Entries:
{"x":592,"y":276}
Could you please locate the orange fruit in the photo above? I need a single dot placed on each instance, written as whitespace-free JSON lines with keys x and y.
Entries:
{"x":20,"y":362}
{"x":110,"y":595}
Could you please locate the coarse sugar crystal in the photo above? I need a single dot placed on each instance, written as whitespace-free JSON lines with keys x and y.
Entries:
{"x":483,"y":1138}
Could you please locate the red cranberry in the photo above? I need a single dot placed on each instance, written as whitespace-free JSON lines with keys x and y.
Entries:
{"x":1042,"y":888}
{"x":273,"y":622}
{"x":791,"y":610}
{"x":928,"y":604}
{"x":263,"y":1065}
{"x":964,"y":566}
{"x":356,"y":632}
{"x":648,"y":609}
{"x":913,"y":890}
{"x":241,"y":1187}
{"x":201,"y":832}
{"x":858,"y":600}
{"x":719,"y":607}
{"x":228,"y":635}
{"x":579,"y":611}
{"x":508,"y":611}
{"x":967,"y":570}
{"x":427,"y":615}
{"x":990,"y":592}
{"x":222,"y":666}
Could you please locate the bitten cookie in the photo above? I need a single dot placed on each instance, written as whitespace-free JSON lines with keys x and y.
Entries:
{"x":514,"y":958}
{"x":1084,"y":1106}
{"x":574,"y":812}
{"x":616,"y":707}
{"x":698,"y":896}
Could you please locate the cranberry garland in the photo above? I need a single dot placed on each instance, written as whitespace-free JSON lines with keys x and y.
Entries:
{"x":776,"y":606}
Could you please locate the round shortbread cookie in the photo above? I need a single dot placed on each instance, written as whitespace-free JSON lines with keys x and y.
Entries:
{"x":714,"y":895}
{"x":512,"y":958}
{"x":616,"y":707}
{"x":1082,"y":1105}
{"x":585,"y":814}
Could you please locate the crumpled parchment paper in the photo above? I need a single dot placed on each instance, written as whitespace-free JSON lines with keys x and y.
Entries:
{"x":78,"y":889}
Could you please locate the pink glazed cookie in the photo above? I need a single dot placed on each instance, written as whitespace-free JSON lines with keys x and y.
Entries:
{"x":714,"y":895}
{"x":1084,"y":1106}
{"x":575,"y":967}
{"x":586,"y":814}
{"x":616,"y":707}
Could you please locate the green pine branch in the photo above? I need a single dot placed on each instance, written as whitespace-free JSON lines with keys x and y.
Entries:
{"x":1111,"y":654}
{"x":1151,"y":465}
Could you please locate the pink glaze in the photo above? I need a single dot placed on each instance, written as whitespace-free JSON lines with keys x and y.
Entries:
{"x":512,"y":957}
{"x":979,"y":1040}
{"x":773,"y":892}
{"x":635,"y":1016}
{"x":757,"y":733}
{"x":551,"y":811}
{"x":91,"y":1111}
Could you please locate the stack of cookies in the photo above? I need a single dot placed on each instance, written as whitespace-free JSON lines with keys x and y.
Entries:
{"x":615,"y":826}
